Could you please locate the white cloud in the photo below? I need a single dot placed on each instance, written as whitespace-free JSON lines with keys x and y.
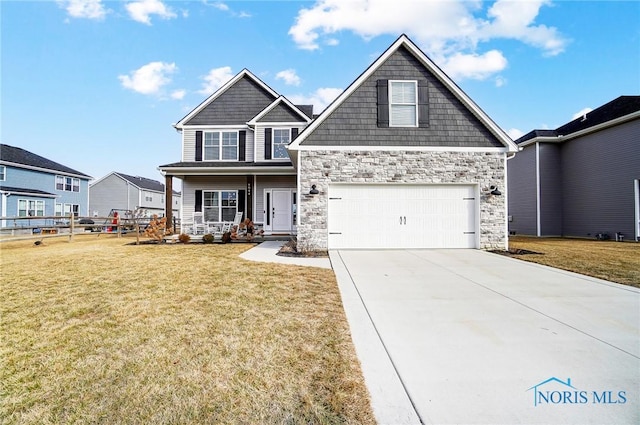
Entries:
{"x":89,"y":9}
{"x":448,"y":30}
{"x":149,"y":78}
{"x":581,"y":113}
{"x":142,"y":10}
{"x":219,"y":5}
{"x":500,"y":81}
{"x":478,"y":67}
{"x":320,"y":99}
{"x":215,"y":79}
{"x":178,"y":94}
{"x":225,"y":8}
{"x":289,"y":77}
{"x":515,"y":19}
{"x":514,"y":133}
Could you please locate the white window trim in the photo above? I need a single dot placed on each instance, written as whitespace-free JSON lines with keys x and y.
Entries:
{"x":273,"y":143}
{"x":389,"y":94}
{"x":219,"y":206}
{"x":27,"y":201}
{"x":220,"y":146}
{"x":4,"y":173}
{"x":64,"y":183}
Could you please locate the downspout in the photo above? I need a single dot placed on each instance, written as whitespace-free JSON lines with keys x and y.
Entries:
{"x":538,"y":233}
{"x":636,"y":191}
{"x":4,"y":208}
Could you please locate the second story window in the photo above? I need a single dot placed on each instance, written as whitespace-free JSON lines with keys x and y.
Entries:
{"x":403,"y":103}
{"x":3,"y":173}
{"x":67,"y":184}
{"x":220,"y":146}
{"x":281,"y":138}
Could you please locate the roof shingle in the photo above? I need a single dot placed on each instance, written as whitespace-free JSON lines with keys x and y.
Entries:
{"x":21,"y":156}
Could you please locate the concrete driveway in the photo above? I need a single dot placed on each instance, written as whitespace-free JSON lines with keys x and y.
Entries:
{"x":465,"y":336}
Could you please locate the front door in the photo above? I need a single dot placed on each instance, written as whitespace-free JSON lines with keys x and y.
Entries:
{"x":280,"y":210}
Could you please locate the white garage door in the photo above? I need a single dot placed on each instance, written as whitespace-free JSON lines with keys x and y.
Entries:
{"x":402,"y":216}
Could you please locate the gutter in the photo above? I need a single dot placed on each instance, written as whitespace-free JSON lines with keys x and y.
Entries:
{"x":563,"y":138}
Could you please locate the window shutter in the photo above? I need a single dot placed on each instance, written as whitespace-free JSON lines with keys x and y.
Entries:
{"x":383,"y":103}
{"x":242,"y":203}
{"x":267,"y":143}
{"x":423,"y":103}
{"x":198,"y":207}
{"x":294,"y":133}
{"x":242,"y":140}
{"x":198,"y":145}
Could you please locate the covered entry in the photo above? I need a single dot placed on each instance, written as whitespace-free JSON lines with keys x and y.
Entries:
{"x":402,"y":216}
{"x":280,"y":210}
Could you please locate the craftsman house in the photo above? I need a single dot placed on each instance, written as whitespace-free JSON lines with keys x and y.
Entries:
{"x":34,"y":186}
{"x":403,"y":158}
{"x":581,"y":179}
{"x":235,"y":158}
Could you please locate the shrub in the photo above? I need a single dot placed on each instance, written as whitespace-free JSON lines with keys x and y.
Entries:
{"x":226,"y":237}
{"x":184,"y":238}
{"x":208,"y":238}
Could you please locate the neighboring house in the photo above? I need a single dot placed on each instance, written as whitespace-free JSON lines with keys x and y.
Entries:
{"x":122,"y":192}
{"x":234,"y":155}
{"x":403,"y":158}
{"x":581,"y":179}
{"x":32,"y":185}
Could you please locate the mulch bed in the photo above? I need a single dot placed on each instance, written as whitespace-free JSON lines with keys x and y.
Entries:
{"x":512,"y":252}
{"x":290,"y":249}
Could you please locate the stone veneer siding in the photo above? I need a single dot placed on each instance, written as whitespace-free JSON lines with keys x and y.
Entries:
{"x":323,"y":168}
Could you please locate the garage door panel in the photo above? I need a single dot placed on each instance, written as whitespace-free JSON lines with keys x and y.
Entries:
{"x":406,"y":216}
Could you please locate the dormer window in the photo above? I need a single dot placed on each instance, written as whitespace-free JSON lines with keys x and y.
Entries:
{"x":403,"y":103}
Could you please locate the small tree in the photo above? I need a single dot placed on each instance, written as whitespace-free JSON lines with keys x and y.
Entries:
{"x":135,"y":217}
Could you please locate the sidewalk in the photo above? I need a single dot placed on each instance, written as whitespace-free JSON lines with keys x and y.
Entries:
{"x":266,"y":253}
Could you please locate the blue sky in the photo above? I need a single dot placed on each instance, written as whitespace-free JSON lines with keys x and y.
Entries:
{"x":96,"y":85}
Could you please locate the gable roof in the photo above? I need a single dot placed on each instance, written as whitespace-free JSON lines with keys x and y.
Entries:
{"x":242,"y":74}
{"x":21,"y":157}
{"x":139,"y":182}
{"x":621,"y":109}
{"x":404,"y":41}
{"x":281,"y":100}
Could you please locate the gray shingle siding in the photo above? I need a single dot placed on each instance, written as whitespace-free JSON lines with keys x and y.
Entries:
{"x":354,"y":123}
{"x":598,"y":173}
{"x":239,"y":104}
{"x":521,"y":172}
{"x":281,"y":113}
{"x":550,"y":190}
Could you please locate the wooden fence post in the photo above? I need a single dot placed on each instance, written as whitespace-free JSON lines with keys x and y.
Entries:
{"x":71,"y":224}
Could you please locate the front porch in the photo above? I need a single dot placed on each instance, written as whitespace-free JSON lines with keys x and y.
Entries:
{"x":269,"y":201}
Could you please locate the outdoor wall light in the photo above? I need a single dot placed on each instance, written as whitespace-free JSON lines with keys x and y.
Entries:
{"x":313,"y":190}
{"x":494,"y":190}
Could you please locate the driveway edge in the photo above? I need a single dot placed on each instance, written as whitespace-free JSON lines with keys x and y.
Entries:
{"x":390,"y":402}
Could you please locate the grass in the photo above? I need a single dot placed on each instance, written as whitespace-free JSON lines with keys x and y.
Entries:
{"x":609,"y":260}
{"x":96,"y":331}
